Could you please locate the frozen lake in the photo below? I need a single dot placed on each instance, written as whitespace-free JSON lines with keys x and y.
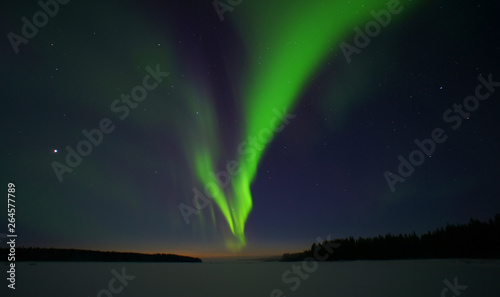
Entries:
{"x":252,"y":279}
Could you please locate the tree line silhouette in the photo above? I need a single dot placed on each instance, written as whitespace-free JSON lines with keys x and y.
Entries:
{"x":75,"y":255}
{"x":473,"y":240}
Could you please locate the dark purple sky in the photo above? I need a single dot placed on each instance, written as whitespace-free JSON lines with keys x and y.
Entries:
{"x":322,"y":175}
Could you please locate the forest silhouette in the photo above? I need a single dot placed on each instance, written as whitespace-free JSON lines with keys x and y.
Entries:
{"x":473,"y":240}
{"x":476,"y":239}
{"x":34,"y":254}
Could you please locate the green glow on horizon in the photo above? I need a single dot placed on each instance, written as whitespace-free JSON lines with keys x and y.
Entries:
{"x":285,"y":44}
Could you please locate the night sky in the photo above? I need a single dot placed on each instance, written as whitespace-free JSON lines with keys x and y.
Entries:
{"x":181,"y":91}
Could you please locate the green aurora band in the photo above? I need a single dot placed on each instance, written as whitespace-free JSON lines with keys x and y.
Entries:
{"x":285,"y":44}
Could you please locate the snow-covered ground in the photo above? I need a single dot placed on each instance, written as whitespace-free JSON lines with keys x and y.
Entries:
{"x":464,"y":278}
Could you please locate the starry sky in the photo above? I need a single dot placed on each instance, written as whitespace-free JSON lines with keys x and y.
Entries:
{"x":247,"y":127}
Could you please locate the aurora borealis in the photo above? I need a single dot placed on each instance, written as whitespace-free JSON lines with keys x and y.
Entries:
{"x":261,"y":137}
{"x":272,"y":81}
